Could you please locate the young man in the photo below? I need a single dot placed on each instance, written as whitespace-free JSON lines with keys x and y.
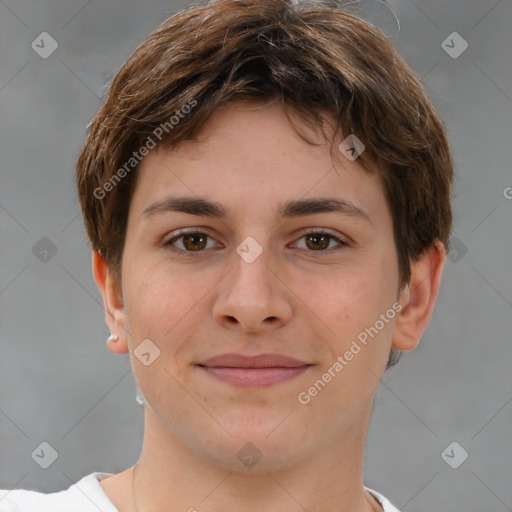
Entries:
{"x":267,"y":194}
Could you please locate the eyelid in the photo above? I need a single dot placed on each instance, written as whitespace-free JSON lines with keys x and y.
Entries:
{"x":343,"y":240}
{"x":176,"y":235}
{"x":326,"y":231}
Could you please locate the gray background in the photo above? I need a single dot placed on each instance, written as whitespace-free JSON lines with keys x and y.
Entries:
{"x":58,"y":382}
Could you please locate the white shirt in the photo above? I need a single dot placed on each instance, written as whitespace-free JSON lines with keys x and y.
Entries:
{"x":86,"y":496}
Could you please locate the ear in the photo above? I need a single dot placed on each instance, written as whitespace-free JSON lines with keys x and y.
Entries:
{"x":112,"y":299}
{"x":418,"y":298}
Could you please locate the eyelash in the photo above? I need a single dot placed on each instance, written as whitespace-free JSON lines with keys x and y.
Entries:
{"x":168,"y":244}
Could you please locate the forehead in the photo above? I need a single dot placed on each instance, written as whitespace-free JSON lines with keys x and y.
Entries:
{"x":249,"y":154}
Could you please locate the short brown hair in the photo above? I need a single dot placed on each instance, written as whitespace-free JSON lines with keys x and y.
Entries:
{"x":314,"y":56}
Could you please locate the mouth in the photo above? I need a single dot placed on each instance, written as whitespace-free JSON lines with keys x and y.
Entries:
{"x":253,"y":371}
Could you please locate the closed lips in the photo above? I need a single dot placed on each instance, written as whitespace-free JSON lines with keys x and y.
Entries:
{"x":233,"y":360}
{"x":262,"y":370}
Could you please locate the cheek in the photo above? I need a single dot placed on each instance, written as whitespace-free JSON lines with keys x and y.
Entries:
{"x":158,"y":295}
{"x":156,"y":307}
{"x":341,"y":298}
{"x":168,"y":307}
{"x":351,"y":302}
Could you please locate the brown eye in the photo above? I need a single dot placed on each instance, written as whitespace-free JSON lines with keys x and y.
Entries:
{"x":318,"y":241}
{"x":321,"y":242}
{"x":194,"y":241}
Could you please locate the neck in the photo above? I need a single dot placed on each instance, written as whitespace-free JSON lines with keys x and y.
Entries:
{"x":171,"y":477}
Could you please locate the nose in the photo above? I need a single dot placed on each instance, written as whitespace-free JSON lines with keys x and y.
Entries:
{"x":252,"y":297}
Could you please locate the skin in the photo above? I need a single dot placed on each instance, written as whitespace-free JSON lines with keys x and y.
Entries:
{"x":294,"y":299}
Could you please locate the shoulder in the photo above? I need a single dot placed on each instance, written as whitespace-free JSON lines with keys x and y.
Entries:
{"x":85,"y":495}
{"x":387,"y":506}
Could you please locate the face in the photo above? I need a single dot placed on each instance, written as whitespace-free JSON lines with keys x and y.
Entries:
{"x":271,"y":269}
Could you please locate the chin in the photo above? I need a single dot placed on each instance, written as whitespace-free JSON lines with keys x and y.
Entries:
{"x":251,"y":449}
{"x":250,"y":458}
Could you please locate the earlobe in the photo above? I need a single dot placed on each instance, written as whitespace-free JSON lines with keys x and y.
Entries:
{"x":112,"y":300}
{"x":418,"y":298}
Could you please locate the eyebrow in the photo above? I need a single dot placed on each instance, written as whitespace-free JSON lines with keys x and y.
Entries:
{"x":203,"y":207}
